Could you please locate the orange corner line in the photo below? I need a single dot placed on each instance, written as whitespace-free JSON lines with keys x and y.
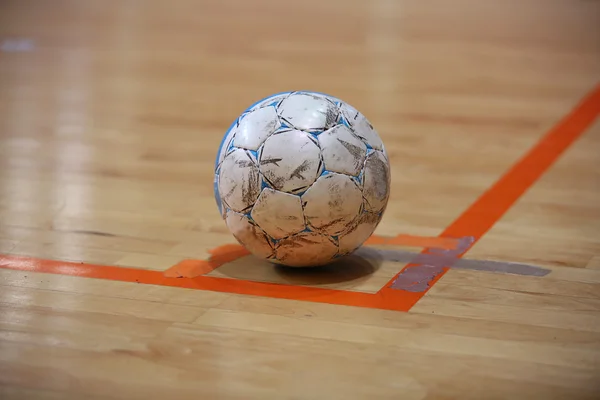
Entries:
{"x":474,"y":222}
{"x":191,"y":268}
{"x":218,"y":256}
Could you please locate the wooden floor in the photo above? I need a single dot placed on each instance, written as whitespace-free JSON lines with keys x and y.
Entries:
{"x":111,"y":114}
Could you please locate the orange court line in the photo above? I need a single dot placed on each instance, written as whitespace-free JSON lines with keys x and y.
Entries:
{"x":230,"y":252}
{"x":438,"y":242}
{"x":393,"y":301}
{"x":218,"y":256}
{"x":497,"y":200}
{"x":474,"y":222}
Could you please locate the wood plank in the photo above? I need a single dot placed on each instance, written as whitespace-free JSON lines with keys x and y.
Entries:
{"x":111,"y":114}
{"x":19,"y":297}
{"x":112,"y":289}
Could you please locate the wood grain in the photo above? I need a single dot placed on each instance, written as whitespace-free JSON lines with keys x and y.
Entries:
{"x":111,"y":113}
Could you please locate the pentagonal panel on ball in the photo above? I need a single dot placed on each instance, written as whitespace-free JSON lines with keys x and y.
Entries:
{"x":308,"y":112}
{"x":361,"y":126}
{"x":239,"y":184}
{"x":278,"y":213}
{"x":305,"y":249}
{"x":348,"y":112}
{"x":332,"y":202}
{"x":342,"y":151}
{"x":249,"y":235}
{"x":376,"y":181}
{"x":358,"y":232}
{"x":255,"y":127}
{"x":290,"y":160}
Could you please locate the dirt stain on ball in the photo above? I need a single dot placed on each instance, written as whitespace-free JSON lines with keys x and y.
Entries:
{"x":297,"y":173}
{"x":380,"y":175}
{"x":356,"y":151}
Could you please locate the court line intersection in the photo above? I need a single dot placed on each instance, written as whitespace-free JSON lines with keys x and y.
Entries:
{"x":473,"y":223}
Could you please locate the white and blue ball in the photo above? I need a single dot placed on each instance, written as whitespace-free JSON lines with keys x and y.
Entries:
{"x":301,"y":178}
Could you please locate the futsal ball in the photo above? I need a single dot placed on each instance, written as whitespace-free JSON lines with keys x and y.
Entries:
{"x":301,"y":179}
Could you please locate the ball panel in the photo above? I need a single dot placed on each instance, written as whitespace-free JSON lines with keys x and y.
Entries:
{"x":255,"y":127}
{"x":301,"y":149}
{"x":342,"y":151}
{"x":225,"y":146}
{"x":249,"y":235}
{"x":332,"y":202}
{"x":308,"y":112}
{"x":359,"y":232}
{"x":290,"y":160}
{"x":278,"y":213}
{"x":305,"y":249}
{"x":347,"y":112}
{"x":273,"y":100}
{"x":217,"y":194}
{"x":363,"y":128}
{"x":376,"y":181}
{"x":238,"y":182}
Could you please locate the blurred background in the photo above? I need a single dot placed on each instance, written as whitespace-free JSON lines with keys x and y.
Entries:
{"x":124,"y":103}
{"x":111,"y":114}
